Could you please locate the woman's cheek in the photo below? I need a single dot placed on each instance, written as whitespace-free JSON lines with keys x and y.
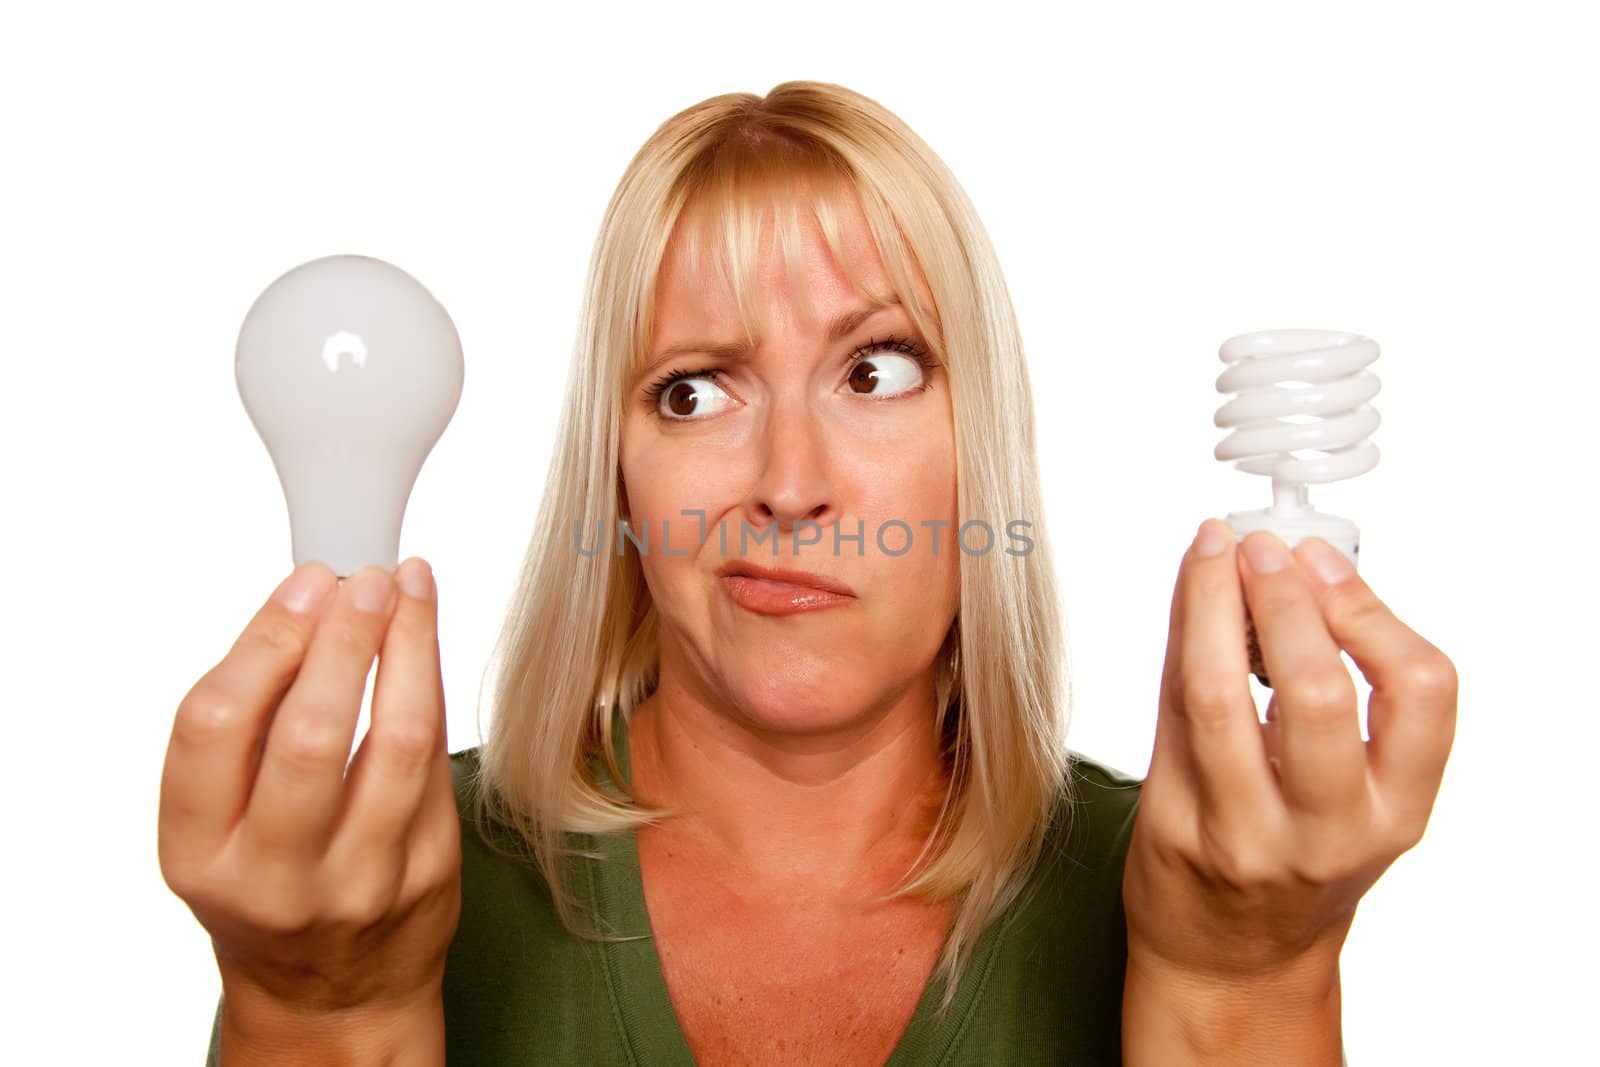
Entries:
{"x":686,"y":470}
{"x":887,"y":423}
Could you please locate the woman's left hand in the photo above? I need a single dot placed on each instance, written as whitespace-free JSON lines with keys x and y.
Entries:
{"x":1254,"y":842}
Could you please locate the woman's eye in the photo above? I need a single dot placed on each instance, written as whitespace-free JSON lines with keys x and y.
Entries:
{"x":691,"y":397}
{"x":885,"y":374}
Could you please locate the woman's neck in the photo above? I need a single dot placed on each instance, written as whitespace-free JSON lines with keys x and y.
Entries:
{"x":847,"y":810}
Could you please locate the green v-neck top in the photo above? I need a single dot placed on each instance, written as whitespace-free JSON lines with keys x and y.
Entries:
{"x":1043,"y":985}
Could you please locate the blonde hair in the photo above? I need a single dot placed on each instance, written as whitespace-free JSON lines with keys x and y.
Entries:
{"x":581,"y":636}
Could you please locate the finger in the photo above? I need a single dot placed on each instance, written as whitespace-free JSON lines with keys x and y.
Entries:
{"x":221,"y":722}
{"x":1221,"y":726}
{"x":1169,"y":744}
{"x":433,"y":849}
{"x":1411,"y":716}
{"x":1270,"y":736}
{"x":1322,"y":759}
{"x":298,"y":792}
{"x":402,"y":748}
{"x":1171,"y":762}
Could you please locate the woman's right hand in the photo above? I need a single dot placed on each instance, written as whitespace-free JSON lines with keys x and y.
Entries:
{"x":331,"y":898}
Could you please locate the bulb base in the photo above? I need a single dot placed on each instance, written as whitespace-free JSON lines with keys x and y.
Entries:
{"x":1294,"y":527}
{"x":1291,"y":528}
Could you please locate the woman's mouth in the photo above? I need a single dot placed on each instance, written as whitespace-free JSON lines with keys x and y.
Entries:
{"x":770,"y":592}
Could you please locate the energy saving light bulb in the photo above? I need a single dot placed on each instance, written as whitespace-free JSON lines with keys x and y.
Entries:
{"x":350,"y":371}
{"x":1297,"y":390}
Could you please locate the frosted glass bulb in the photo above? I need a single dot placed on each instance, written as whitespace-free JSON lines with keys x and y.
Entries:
{"x":1298,"y":391}
{"x":350,"y":371}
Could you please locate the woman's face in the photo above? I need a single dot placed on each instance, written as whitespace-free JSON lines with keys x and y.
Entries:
{"x":807,"y":437}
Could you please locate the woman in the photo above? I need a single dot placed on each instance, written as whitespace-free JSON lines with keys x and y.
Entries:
{"x":778,"y":771}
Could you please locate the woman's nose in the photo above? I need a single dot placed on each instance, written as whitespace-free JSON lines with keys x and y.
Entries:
{"x":793,"y":483}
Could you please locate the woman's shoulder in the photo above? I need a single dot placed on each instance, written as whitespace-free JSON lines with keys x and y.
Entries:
{"x":1101,"y":803}
{"x":464,"y":770}
{"x":1089,"y":831}
{"x":465,"y":761}
{"x":518,"y":987}
{"x":1086,"y":844}
{"x":1064,"y":941}
{"x":464,"y":767}
{"x":486,"y":840}
{"x":1102,"y":774}
{"x":497,"y":862}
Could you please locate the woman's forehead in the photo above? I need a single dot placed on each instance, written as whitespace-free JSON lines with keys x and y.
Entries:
{"x":714,"y":258}
{"x":701,"y":294}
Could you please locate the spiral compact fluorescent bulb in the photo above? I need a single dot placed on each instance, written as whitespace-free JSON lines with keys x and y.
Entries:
{"x":1331,"y":394}
{"x":350,"y":371}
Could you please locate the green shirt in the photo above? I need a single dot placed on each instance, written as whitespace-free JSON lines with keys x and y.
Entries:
{"x":1043,"y":986}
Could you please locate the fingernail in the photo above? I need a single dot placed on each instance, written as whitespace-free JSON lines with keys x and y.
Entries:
{"x":1211,"y":539}
{"x":370,"y":590}
{"x":303,"y":590}
{"x":1265,"y":552}
{"x":416,"y":578}
{"x":1327,"y":561}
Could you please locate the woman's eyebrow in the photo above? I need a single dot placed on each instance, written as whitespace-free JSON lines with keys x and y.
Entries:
{"x":838,"y":330}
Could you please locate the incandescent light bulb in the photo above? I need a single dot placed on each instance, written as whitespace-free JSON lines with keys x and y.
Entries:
{"x":350,"y":371}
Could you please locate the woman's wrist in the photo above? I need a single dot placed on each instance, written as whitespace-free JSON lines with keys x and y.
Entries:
{"x":1172,"y":1017}
{"x":259,"y":1030}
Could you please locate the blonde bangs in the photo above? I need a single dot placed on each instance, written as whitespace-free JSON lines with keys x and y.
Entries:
{"x":737,"y":202}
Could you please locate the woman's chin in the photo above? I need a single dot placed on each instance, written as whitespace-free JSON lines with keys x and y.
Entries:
{"x":800,"y":706}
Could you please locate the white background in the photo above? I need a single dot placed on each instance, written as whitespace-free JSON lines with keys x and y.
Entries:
{"x":1156,"y":178}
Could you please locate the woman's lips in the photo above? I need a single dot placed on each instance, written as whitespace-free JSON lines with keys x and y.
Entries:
{"x":767,"y":597}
